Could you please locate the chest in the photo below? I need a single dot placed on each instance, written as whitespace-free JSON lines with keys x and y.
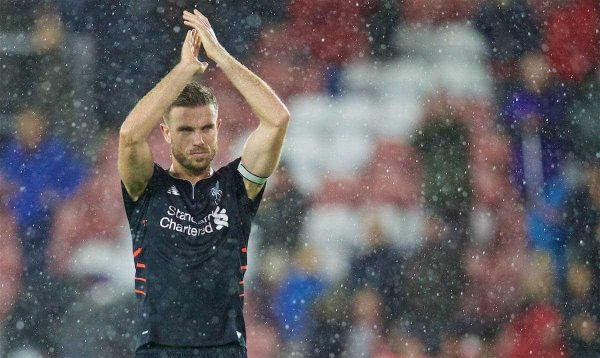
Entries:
{"x":204,"y":213}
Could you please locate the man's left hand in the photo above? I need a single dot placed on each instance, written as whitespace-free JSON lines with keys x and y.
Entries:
{"x":200,"y":23}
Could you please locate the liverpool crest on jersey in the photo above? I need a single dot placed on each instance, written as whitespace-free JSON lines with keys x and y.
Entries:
{"x":216,"y":193}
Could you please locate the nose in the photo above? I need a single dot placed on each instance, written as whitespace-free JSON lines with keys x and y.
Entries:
{"x":198,"y":139}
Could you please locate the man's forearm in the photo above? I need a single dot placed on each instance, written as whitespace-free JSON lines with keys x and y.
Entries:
{"x":148,"y":112}
{"x":262,"y":99}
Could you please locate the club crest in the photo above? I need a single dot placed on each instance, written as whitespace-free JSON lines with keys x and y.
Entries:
{"x":216,"y":193}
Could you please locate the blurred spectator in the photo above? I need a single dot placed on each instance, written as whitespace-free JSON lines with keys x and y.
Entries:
{"x":537,"y":327}
{"x":495,"y":265}
{"x":582,"y":222}
{"x":77,"y":14}
{"x":108,"y":330}
{"x":582,"y":312}
{"x":262,"y":289}
{"x":329,"y":323}
{"x":433,"y":283}
{"x":535,"y":117}
{"x":79,"y":225}
{"x":381,"y":17}
{"x":378,"y":267}
{"x":449,"y":346}
{"x":298,"y":291}
{"x":270,"y":12}
{"x":16,"y":15}
{"x":366,"y":332}
{"x":584,"y":115}
{"x":37,"y":69}
{"x":133,"y":52}
{"x":36,"y":317}
{"x":572,"y":38}
{"x":282,"y":214}
{"x":401,"y":344}
{"x":510,"y":30}
{"x":42,"y":172}
{"x":54,"y":89}
{"x":442,"y":140}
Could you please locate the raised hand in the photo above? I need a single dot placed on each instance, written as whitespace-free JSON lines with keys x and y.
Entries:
{"x":200,"y":23}
{"x":190,"y":51}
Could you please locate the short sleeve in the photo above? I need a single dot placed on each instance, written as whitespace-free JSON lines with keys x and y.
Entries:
{"x":248,"y":206}
{"x":130,"y":204}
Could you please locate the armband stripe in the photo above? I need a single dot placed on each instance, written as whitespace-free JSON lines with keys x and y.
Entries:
{"x":251,"y":177}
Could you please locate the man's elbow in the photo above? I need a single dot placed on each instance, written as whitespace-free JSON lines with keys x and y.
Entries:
{"x":282,"y":119}
{"x":127,"y":135}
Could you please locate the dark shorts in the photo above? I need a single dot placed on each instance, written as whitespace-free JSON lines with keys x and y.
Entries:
{"x":152,"y":350}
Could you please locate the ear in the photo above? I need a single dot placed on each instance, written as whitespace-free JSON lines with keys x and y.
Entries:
{"x":166,"y":131}
{"x":218,"y":123}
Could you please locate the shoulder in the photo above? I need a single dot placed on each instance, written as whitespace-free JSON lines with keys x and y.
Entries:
{"x":160,"y":178}
{"x":229,"y":172}
{"x":231,"y":167}
{"x":235,"y":179}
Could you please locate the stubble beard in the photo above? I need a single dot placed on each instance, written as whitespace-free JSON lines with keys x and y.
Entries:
{"x":195,"y":167}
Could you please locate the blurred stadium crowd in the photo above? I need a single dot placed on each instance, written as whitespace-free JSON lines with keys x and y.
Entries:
{"x":439,"y":194}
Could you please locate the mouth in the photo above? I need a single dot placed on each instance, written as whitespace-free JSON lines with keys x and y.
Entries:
{"x":199,"y":154}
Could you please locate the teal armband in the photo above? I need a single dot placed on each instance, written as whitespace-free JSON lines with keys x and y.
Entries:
{"x":251,"y":177}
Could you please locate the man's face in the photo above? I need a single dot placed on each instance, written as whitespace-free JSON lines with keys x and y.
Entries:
{"x":192,"y":133}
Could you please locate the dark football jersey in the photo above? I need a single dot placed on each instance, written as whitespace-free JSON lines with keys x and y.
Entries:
{"x":189,"y":248}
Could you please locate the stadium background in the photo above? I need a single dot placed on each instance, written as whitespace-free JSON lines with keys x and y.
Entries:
{"x":439,"y":194}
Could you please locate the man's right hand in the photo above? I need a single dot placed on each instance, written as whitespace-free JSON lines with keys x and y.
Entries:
{"x":190,"y":51}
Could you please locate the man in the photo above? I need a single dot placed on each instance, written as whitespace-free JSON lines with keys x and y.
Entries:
{"x":190,"y":224}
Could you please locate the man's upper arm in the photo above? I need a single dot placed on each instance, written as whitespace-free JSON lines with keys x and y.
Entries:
{"x":261,"y":154}
{"x":135,"y":165}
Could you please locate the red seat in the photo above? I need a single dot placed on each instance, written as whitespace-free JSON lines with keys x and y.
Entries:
{"x":573,"y":40}
{"x":283,"y":64}
{"x":333,"y":30}
{"x":476,"y":113}
{"x":491,"y":149}
{"x":437,"y":11}
{"x":340,"y":190}
{"x":393,"y":176}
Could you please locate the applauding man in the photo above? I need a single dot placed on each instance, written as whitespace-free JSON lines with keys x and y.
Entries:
{"x":190,"y":224}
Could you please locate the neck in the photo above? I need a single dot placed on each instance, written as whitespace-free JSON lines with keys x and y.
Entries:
{"x":180,"y":172}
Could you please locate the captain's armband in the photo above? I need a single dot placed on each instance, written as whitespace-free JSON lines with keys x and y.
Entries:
{"x":251,"y":177}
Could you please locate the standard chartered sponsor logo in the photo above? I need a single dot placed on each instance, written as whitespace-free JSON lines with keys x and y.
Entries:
{"x":183,"y":222}
{"x":221,"y":218}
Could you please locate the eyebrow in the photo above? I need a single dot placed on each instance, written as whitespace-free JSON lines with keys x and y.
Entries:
{"x":207,"y":126}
